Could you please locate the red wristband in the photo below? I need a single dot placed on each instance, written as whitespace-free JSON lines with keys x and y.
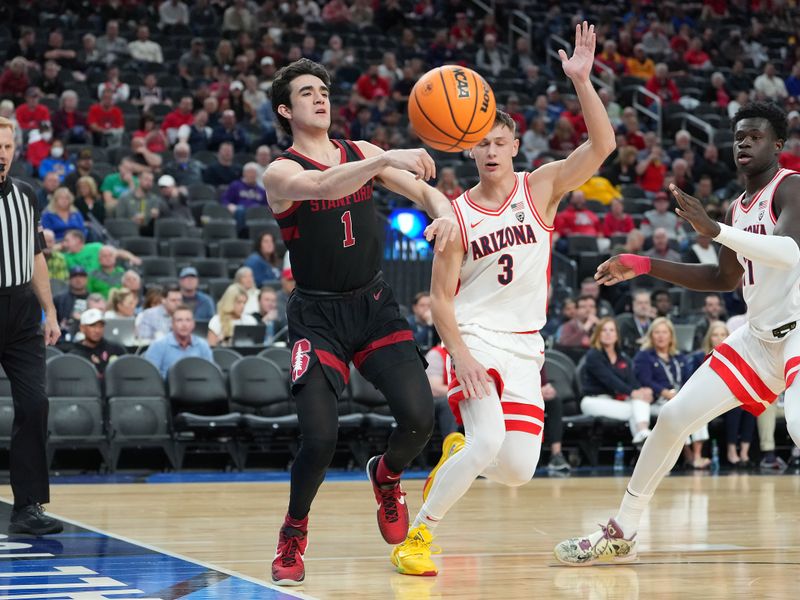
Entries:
{"x":639,"y":264}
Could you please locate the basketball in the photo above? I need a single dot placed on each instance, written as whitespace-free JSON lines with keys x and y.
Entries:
{"x":451,"y":108}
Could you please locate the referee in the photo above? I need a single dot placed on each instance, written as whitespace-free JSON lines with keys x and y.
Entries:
{"x":23,"y":281}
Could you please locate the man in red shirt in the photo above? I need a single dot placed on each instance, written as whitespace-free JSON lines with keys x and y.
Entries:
{"x":576,"y":219}
{"x":790,"y":157}
{"x":180,"y":116}
{"x":616,"y":221}
{"x":662,"y":86}
{"x":106,"y":120}
{"x":370,"y":82}
{"x":31,"y":115}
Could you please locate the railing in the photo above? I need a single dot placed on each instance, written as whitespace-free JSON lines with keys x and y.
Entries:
{"x":525,"y":29}
{"x":653,"y":110}
{"x":695,"y":125}
{"x":556,"y":43}
{"x":487,"y":7}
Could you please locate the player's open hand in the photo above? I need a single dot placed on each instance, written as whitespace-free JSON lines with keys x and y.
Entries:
{"x":691,"y":209}
{"x":475,"y":381}
{"x":445,"y":230}
{"x":416,"y":160}
{"x":613,"y":271}
{"x":579,"y":66}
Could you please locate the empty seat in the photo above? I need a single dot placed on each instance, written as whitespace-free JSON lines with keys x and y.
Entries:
{"x":158,"y":266}
{"x":581,"y":243}
{"x":140,"y":246}
{"x":187,"y":248}
{"x":170,"y":228}
{"x":213,"y":211}
{"x":121,"y":228}
{"x":281,"y":357}
{"x":224,"y":358}
{"x":211,"y":268}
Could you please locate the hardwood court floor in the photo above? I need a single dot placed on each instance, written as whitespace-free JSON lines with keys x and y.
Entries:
{"x":735,"y":536}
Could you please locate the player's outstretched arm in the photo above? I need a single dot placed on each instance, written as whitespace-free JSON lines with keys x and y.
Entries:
{"x":445,"y":226}
{"x":472,"y":376}
{"x":780,"y":250}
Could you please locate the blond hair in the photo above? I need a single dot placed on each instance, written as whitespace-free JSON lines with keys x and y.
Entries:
{"x":712,"y":327}
{"x":51,"y":206}
{"x":88,"y":180}
{"x":594,"y":340}
{"x":8,"y":124}
{"x":117,"y":296}
{"x":225,"y":308}
{"x":647,"y":344}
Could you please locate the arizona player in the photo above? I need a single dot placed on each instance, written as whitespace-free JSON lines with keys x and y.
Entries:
{"x":342,"y":310}
{"x":754,"y":364}
{"x":489,"y":299}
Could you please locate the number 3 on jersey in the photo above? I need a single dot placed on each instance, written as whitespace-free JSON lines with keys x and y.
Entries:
{"x":507,"y":274}
{"x":349,"y":240}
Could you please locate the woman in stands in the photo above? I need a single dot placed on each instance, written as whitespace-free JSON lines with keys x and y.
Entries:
{"x":122,"y":303}
{"x":244,"y":277}
{"x":230,"y":313}
{"x":609,"y":384}
{"x":88,"y":199}
{"x":659,"y":366}
{"x":264,"y":261}
{"x":61,"y":214}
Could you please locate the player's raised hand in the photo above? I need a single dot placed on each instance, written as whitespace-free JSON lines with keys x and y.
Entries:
{"x":691,"y":209}
{"x":475,"y":381}
{"x":613,"y":271}
{"x":416,"y":160}
{"x":579,"y":66}
{"x":445,"y":230}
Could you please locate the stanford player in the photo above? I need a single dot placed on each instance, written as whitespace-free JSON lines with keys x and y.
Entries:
{"x":489,"y":299}
{"x":756,"y":363}
{"x":342,"y":310}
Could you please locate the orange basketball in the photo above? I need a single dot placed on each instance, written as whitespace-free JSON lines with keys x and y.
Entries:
{"x":451,"y":108}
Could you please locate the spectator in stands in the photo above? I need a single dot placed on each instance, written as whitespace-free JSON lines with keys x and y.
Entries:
{"x":681,"y":175}
{"x":740,"y":427}
{"x":109,"y":275}
{"x":244,"y":193}
{"x":106,"y":120}
{"x":195,"y":64}
{"x":71,"y":303}
{"x":178,"y":343}
{"x":793,"y":82}
{"x":623,"y":170}
{"x":200,"y":303}
{"x":56,"y":162}
{"x":564,"y":139}
{"x":661,"y":248}
{"x":238,"y":18}
{"x":182,"y":115}
{"x":115,"y":184}
{"x":197,"y":135}
{"x":228,"y":131}
{"x":576,"y":219}
{"x":224,"y":171}
{"x":174,"y":14}
{"x":55,"y":51}
{"x":94,"y":347}
{"x":69,"y":124}
{"x":702,"y":251}
{"x":766,"y":422}
{"x":611,"y":59}
{"x":599,"y":189}
{"x":61,"y":214}
{"x":790,"y":157}
{"x":121,"y":90}
{"x":640,"y":65}
{"x":421,"y":321}
{"x":682,"y":145}
{"x":230,"y":313}
{"x":88,"y":201}
{"x":705,"y":194}
{"x":83,"y":168}
{"x":264,"y":261}
{"x":577,"y":332}
{"x":244,"y":278}
{"x":770,"y":85}
{"x":696,"y":57}
{"x":143,"y":49}
{"x":437,"y":374}
{"x":556,"y":319}
{"x":662,"y":85}
{"x":490,"y":58}
{"x":111,"y":47}
{"x":254,"y":95}
{"x":175,"y":200}
{"x":263,"y":159}
{"x":141,"y":204}
{"x":183,"y":168}
{"x":56,"y":263}
{"x":31,"y":114}
{"x":149,"y":94}
{"x":631,"y":129}
{"x":448,"y":184}
{"x":633,"y":325}
{"x":25,"y":46}
{"x":711,"y":165}
{"x":717,"y":93}
{"x":14,"y":81}
{"x":156,"y":322}
{"x":713,"y":310}
{"x":661,"y":367}
{"x":370,"y":82}
{"x":655,"y":42}
{"x":738,"y":80}
{"x":50,"y":81}
{"x":589,"y":287}
{"x":662,"y":302}
{"x":336,"y":12}
{"x":634,"y":244}
{"x":122,"y":303}
{"x":616,"y":221}
{"x":609,"y":384}
{"x":269,"y":315}
{"x":39,"y":142}
{"x":660,"y":217}
{"x":535,"y":140}
{"x":44,"y":196}
{"x":133,"y":281}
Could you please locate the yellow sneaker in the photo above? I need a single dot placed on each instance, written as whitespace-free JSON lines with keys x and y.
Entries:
{"x":451,"y":444}
{"x":413,"y":557}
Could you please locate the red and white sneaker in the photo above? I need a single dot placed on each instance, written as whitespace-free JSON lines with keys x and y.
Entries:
{"x":392,"y":509}
{"x":288,"y":568}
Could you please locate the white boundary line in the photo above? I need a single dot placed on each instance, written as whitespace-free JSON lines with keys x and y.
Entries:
{"x":232,"y":573}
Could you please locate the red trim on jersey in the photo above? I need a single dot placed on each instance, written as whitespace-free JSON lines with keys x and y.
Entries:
{"x":354,"y":147}
{"x":735,"y":386}
{"x":736,"y":203}
{"x":290,"y":233}
{"x":456,"y":397}
{"x":292,"y":208}
{"x":331,"y":360}
{"x":503,"y":206}
{"x":462,"y":228}
{"x":318,"y":164}
{"x":526,"y":332}
{"x":549,"y":265}
{"x":758,"y":195}
{"x":747,"y":372}
{"x":387,"y":340}
{"x":525,"y":410}
{"x":790,"y":364}
{"x":523,"y":426}
{"x":532,"y":206}
{"x":772,"y":216}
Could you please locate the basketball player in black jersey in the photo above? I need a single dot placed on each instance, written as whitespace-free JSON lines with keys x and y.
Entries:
{"x":342,"y":310}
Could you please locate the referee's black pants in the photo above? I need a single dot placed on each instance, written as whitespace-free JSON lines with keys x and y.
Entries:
{"x":22,"y":357}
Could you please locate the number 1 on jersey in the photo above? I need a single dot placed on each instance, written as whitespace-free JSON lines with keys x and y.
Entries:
{"x":349,"y":240}
{"x":748,"y":276}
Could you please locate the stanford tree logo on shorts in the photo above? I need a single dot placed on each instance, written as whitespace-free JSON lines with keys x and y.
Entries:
{"x":300,"y":358}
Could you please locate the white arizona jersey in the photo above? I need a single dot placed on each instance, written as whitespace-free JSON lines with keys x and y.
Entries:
{"x":506,"y":267}
{"x":772,"y":295}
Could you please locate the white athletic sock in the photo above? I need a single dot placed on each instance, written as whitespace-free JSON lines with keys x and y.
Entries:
{"x":630,"y":512}
{"x":426,"y":518}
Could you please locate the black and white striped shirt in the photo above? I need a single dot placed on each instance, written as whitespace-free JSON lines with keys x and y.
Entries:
{"x":20,"y":233}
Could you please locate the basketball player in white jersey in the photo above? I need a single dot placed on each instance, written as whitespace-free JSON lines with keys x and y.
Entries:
{"x":759,"y":240}
{"x":489,"y":299}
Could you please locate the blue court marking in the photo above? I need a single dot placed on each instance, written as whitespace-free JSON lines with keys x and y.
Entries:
{"x":84,"y":563}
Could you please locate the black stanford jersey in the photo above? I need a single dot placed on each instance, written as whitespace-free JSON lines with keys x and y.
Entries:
{"x":334,"y":245}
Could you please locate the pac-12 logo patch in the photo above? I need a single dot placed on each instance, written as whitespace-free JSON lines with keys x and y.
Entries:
{"x":300,"y":358}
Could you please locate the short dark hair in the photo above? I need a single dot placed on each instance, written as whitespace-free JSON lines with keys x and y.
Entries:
{"x":419,"y":296}
{"x":183,"y":307}
{"x":763,"y":110}
{"x":280,"y":92}
{"x":583,"y":297}
{"x":76,"y":233}
{"x":171,"y":287}
{"x":504,"y":119}
{"x":658,"y":293}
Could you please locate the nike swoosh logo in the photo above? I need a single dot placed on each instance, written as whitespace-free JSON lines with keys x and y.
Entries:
{"x":431,"y":519}
{"x":377,"y":295}
{"x":474,"y":225}
{"x":401,"y":500}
